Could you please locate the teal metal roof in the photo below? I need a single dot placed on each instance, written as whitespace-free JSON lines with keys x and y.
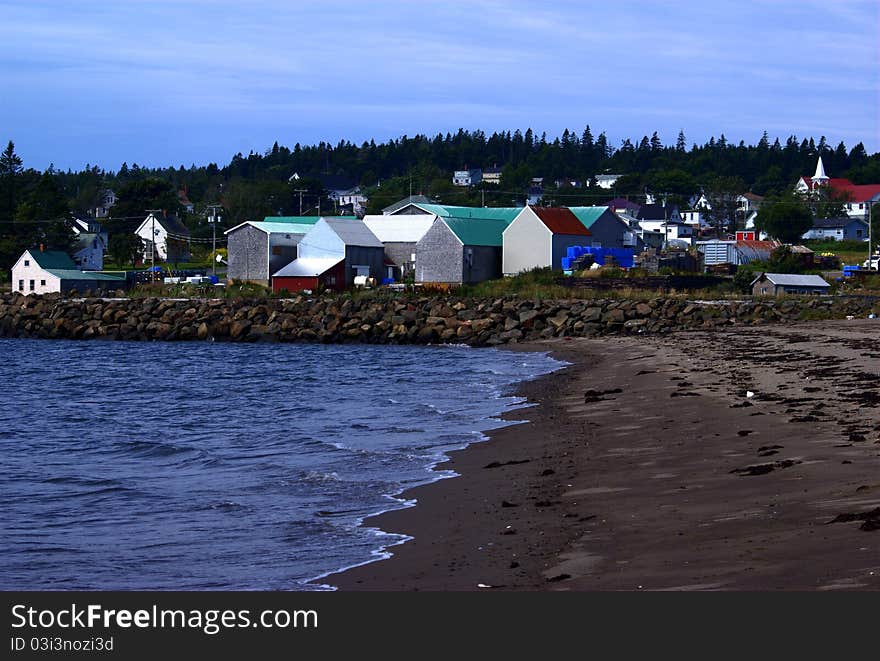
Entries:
{"x":496,"y":213}
{"x":283,"y":228}
{"x":74,"y":274}
{"x":588,"y":215}
{"x":302,"y":220}
{"x":52,"y":259}
{"x":477,"y":231}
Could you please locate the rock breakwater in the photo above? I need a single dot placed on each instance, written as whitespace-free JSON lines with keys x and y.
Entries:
{"x":394,"y":320}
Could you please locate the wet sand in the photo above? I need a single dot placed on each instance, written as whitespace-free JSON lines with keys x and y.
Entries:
{"x":747,"y":459}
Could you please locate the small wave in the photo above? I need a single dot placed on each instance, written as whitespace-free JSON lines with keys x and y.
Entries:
{"x":224,"y":506}
{"x":82,"y":481}
{"x":153,"y":448}
{"x":319,"y":476}
{"x":331,"y":514}
{"x":359,"y":425}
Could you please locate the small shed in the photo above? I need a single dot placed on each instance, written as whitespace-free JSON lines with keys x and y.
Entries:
{"x":332,"y":254}
{"x":776,"y":284}
{"x":539,"y":237}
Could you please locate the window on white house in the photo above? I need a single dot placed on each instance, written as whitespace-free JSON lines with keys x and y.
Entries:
{"x":21,"y":285}
{"x":32,"y":285}
{"x":27,"y":262}
{"x":42,"y":283}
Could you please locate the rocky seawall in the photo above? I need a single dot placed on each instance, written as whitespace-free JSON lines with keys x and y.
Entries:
{"x":394,"y":320}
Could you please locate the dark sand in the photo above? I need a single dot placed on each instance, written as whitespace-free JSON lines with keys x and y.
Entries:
{"x":646,"y":466}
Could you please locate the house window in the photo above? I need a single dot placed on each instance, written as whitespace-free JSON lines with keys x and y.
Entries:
{"x":27,"y":262}
{"x":21,"y":285}
{"x":859,"y":233}
{"x":32,"y":285}
{"x":42,"y":283}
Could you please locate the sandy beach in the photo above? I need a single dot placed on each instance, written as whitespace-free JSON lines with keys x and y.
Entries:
{"x":744,"y":459}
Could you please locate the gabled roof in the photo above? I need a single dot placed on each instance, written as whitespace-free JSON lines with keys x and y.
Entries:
{"x":477,"y":231}
{"x":560,"y":220}
{"x":274,"y":228}
{"x":621,"y":204}
{"x":400,"y":229}
{"x":655,"y":212}
{"x":832,"y":223}
{"x":171,"y":223}
{"x":400,"y":204}
{"x":353,"y":232}
{"x":588,"y":215}
{"x":52,"y":259}
{"x":308,"y":267}
{"x":793,"y":280}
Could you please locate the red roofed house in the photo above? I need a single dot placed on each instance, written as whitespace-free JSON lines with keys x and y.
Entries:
{"x":860,"y":197}
{"x":539,"y":237}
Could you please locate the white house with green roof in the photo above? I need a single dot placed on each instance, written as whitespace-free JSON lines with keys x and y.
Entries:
{"x":257,"y":249}
{"x":463,"y":245}
{"x":50,"y":271}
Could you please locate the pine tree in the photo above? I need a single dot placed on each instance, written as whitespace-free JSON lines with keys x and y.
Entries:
{"x":680,"y":143}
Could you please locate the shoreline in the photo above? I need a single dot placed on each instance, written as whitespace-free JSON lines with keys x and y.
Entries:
{"x":675,"y":481}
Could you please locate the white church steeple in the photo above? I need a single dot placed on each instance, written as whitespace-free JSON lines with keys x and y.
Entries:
{"x":820,"y":178}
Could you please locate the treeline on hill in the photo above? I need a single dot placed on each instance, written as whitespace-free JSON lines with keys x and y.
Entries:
{"x":256,"y":185}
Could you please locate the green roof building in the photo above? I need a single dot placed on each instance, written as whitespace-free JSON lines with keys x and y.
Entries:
{"x":50,"y":271}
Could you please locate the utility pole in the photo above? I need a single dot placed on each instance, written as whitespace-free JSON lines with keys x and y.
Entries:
{"x":213,"y":219}
{"x":300,"y":191}
{"x":153,"y":213}
{"x":483,"y":196}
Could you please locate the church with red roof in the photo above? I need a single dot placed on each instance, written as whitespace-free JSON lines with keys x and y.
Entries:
{"x":859,"y":196}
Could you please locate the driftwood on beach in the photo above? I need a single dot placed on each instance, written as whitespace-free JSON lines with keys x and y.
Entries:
{"x":397,"y":320}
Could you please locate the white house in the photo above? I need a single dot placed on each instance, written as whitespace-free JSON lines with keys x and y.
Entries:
{"x":88,"y":250}
{"x":607,"y":180}
{"x":50,"y":271}
{"x":666,"y":220}
{"x":90,"y":244}
{"x":467,"y":177}
{"x":107,"y":200}
{"x":167,"y":234}
{"x":492,"y":175}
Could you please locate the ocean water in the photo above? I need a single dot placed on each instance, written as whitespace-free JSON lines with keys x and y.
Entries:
{"x":201,"y":466}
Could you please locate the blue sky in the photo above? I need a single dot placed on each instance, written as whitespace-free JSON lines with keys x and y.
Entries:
{"x":170,"y":82}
